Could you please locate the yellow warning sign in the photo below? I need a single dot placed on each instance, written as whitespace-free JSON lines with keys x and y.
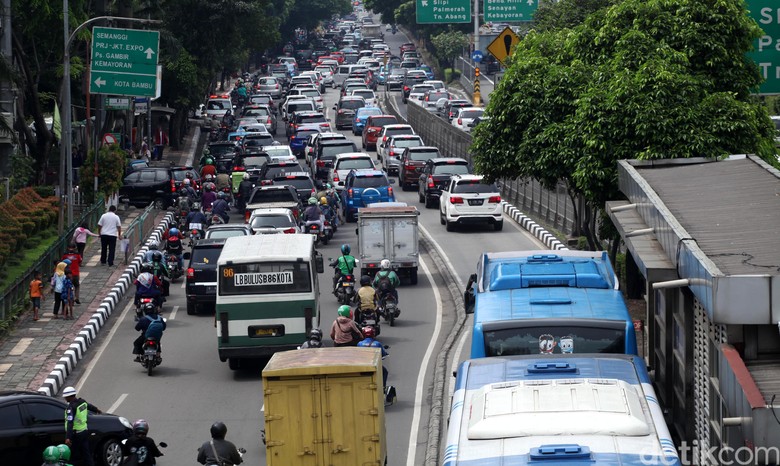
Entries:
{"x":502,"y":46}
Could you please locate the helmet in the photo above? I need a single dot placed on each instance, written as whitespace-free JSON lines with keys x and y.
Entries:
{"x":385,"y":264}
{"x":246,"y":176}
{"x":157,"y":256}
{"x":345,"y":311}
{"x":173,"y":232}
{"x":221,"y":195}
{"x":209,"y":177}
{"x":67,"y":261}
{"x":368,"y":332}
{"x":206,"y":150}
{"x":312,"y":200}
{"x":69,"y":391}
{"x":51,"y":454}
{"x":154,"y":245}
{"x":207,"y":187}
{"x":345,"y":249}
{"x":316,"y":334}
{"x":365,"y":280}
{"x":64,"y":451}
{"x":324,"y":200}
{"x":218,"y":430}
{"x":141,"y":427}
{"x":209,"y":161}
{"x":150,"y":309}
{"x":186,"y":181}
{"x":147,"y":267}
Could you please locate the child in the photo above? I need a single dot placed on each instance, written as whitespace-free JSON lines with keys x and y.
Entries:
{"x":68,"y":295}
{"x":36,"y":293}
{"x":57,"y":280}
{"x":73,"y":259}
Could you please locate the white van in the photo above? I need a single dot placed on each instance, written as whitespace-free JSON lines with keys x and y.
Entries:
{"x":343,"y":71}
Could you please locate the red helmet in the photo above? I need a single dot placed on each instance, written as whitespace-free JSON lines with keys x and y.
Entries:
{"x":369,"y":332}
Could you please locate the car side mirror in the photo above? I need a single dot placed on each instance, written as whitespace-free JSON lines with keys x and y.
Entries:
{"x":319,"y":264}
{"x":468,"y":296}
{"x":392,"y":180}
{"x":186,"y":256}
{"x":335,"y":107}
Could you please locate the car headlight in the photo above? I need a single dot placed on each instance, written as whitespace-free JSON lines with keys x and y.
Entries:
{"x":125,"y":422}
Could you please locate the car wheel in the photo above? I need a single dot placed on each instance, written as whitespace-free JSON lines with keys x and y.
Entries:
{"x":413,"y":277}
{"x":498,"y":226}
{"x":421,"y":197}
{"x":234,"y":364}
{"x":192,"y":309}
{"x":111,"y":453}
{"x":429,"y":203}
{"x":450,"y":226}
{"x":442,"y":220}
{"x":159,"y":204}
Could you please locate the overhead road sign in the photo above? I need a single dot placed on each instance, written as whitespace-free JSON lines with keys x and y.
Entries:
{"x":124,"y":61}
{"x":443,"y":11}
{"x":509,"y":10}
{"x":766,"y":51}
{"x":502,"y":46}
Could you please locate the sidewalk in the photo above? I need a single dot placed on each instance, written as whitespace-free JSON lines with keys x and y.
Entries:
{"x":29,"y":351}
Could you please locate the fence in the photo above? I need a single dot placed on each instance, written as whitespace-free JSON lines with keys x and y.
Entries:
{"x":136,"y":232}
{"x":552,"y":208}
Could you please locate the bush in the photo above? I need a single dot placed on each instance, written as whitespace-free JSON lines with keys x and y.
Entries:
{"x":22,"y":217}
{"x":451,"y":75}
{"x":112,"y":161}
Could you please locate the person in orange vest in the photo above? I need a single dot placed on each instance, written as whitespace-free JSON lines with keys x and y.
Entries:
{"x":160,"y":141}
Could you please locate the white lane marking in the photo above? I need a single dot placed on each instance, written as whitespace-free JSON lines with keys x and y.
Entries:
{"x":183,"y":284}
{"x":456,"y":360}
{"x":173,"y":314}
{"x":116,"y":404}
{"x":418,"y":394}
{"x":461,"y":282}
{"x":100,"y":350}
{"x":262,"y":408}
{"x":20,"y":347}
{"x":4,"y":368}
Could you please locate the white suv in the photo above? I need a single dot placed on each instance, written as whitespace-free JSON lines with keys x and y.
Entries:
{"x":345,"y":163}
{"x":465,"y":116}
{"x":467,"y":199}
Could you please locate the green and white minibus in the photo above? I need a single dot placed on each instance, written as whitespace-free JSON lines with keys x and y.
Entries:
{"x":267,"y":295}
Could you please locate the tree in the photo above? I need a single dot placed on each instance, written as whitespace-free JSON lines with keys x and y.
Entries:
{"x":449,"y":45}
{"x":643,"y":79}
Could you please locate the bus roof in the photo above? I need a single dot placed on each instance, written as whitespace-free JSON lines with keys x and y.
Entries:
{"x":266,"y":248}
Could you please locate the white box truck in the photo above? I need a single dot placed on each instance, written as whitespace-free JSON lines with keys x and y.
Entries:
{"x":389,"y":233}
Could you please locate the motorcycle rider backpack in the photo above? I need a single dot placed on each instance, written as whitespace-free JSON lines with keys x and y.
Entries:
{"x":155,"y":329}
{"x":384,"y":284}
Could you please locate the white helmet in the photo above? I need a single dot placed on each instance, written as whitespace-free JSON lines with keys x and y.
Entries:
{"x":69,"y":391}
{"x":385,"y":264}
{"x":186,"y":181}
{"x":246,"y":176}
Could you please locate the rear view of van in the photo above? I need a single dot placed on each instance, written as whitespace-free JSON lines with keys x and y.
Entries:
{"x":343,"y":71}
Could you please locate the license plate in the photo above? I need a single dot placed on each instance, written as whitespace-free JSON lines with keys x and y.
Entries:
{"x":476,"y":201}
{"x":346,"y":284}
{"x":211,"y":290}
{"x":151,"y":352}
{"x":264,"y":332}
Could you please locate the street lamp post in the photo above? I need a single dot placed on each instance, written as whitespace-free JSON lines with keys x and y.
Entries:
{"x":66,"y":163}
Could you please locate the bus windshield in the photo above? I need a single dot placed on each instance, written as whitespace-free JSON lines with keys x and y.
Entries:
{"x":264,"y":278}
{"x":555,"y":339}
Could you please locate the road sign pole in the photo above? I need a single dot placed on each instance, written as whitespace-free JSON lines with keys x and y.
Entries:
{"x":477,"y":93}
{"x":476,"y":24}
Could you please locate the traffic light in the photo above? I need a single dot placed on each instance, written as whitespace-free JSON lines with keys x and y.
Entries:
{"x":476,"y":72}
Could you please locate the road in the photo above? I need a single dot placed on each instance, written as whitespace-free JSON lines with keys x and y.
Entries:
{"x":192,"y":388}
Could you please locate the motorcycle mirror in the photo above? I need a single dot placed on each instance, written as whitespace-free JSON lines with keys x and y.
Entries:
{"x":163,"y":444}
{"x":387,"y":346}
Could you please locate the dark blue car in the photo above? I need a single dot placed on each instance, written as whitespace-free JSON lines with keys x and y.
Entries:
{"x":298,"y":140}
{"x":363,"y":187}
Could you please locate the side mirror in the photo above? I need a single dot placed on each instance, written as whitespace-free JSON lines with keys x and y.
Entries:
{"x":392,"y":180}
{"x":186,"y":256}
{"x":335,"y":107}
{"x":468,"y":296}
{"x":318,"y":263}
{"x":357,"y":231}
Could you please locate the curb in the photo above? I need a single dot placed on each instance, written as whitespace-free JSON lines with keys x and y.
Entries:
{"x":534,"y":228}
{"x":87,"y":335}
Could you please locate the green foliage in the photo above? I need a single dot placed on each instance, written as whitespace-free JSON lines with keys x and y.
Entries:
{"x":22,"y":170}
{"x":449,"y":44}
{"x":451,"y":75}
{"x":111,"y":168}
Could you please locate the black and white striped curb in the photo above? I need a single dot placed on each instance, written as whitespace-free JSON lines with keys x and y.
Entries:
{"x":534,"y":228}
{"x":78,"y":349}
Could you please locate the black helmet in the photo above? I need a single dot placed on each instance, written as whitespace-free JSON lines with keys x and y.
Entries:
{"x":150,"y":309}
{"x":147,"y":267}
{"x":218,"y":430}
{"x":365,"y":280}
{"x":316,"y":334}
{"x":141,"y":427}
{"x":157,"y":256}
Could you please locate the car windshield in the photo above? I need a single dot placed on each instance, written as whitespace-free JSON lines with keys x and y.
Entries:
{"x":423,"y":155}
{"x":352,"y":104}
{"x":255,"y":161}
{"x":219,"y":105}
{"x":451,"y":169}
{"x":470,"y":113}
{"x":292,"y":108}
{"x":261,"y":99}
{"x":277,"y":151}
{"x":377,"y":181}
{"x":311,"y":119}
{"x":271,"y":195}
{"x":389,"y":120}
{"x":474,"y":187}
{"x":407,"y":143}
{"x":258,"y":141}
{"x":333,"y":151}
{"x":267,"y":81}
{"x":274,"y":172}
{"x":205,"y":256}
{"x":366,"y":94}
{"x":304,"y":133}
{"x":396,"y":131}
{"x":225,"y":233}
{"x":310,"y":93}
{"x":356,"y":163}
{"x":297,"y":183}
{"x":271,"y":221}
{"x":368,"y":111}
{"x":256,"y":112}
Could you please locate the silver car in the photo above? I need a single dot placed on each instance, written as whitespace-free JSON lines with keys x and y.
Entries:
{"x":273,"y":221}
{"x":271,"y":86}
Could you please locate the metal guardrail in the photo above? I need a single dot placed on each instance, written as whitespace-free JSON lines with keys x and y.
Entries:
{"x":136,"y":232}
{"x":553,"y":208}
{"x":18,"y":290}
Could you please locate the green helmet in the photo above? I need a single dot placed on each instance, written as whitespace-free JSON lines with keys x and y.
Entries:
{"x":345,"y":311}
{"x":51,"y":454}
{"x":64,"y":451}
{"x":206,"y":151}
{"x":209,"y":161}
{"x":312,"y":200}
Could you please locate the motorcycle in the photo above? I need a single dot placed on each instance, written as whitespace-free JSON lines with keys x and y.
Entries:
{"x":151,"y":357}
{"x":314,"y":230}
{"x":217,"y":220}
{"x":389,"y":390}
{"x":229,"y":193}
{"x":142,"y":302}
{"x":172,"y":261}
{"x":327,"y":232}
{"x":388,"y":308}
{"x":345,"y":289}
{"x":195,"y":235}
{"x":369,"y":318}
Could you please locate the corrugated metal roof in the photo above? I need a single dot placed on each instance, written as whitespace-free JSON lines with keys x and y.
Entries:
{"x":731,"y":208}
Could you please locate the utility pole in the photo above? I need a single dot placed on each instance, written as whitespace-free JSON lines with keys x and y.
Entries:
{"x":477,"y":95}
{"x":7,"y":97}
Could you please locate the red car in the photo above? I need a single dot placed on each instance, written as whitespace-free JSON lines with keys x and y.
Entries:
{"x":374,"y":126}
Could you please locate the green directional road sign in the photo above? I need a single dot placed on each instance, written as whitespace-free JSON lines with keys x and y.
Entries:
{"x":124,"y":61}
{"x":767,"y":47}
{"x":443,"y":11}
{"x":509,"y":10}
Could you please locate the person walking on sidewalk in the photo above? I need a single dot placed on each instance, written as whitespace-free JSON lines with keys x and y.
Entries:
{"x":76,"y":429}
{"x":36,"y":293}
{"x":110,"y":228}
{"x":75,"y":267}
{"x":80,"y":238}
{"x":160,"y":141}
{"x":57,"y":283}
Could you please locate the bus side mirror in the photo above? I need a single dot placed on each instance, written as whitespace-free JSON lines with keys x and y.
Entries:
{"x":468,"y":295}
{"x":319,"y":264}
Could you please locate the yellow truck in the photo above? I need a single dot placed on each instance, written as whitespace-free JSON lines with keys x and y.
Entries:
{"x":325,"y":407}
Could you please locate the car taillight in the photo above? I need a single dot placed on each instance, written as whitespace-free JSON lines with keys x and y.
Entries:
{"x":277,"y":86}
{"x":289,"y":231}
{"x":268,"y":121}
{"x":430,"y":183}
{"x":173,"y":186}
{"x":494,"y":199}
{"x":389,"y":190}
{"x":335,"y":178}
{"x":460,"y":121}
{"x":320,"y":163}
{"x":357,"y":120}
{"x":384,"y":139}
{"x":246,"y":216}
{"x":349,"y":192}
{"x":341,"y":111}
{"x":456,"y":200}
{"x":292,"y":138}
{"x":190,"y":273}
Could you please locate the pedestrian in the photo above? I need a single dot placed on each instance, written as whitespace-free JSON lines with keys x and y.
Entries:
{"x":68,"y":294}
{"x":110,"y":228}
{"x":80,"y":238}
{"x":145,"y":153}
{"x":75,"y":267}
{"x":160,"y":140}
{"x":76,"y":428}
{"x":36,"y":293}
{"x":57,"y":283}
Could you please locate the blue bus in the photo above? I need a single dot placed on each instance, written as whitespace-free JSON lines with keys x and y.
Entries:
{"x":570,"y":409}
{"x":545,"y":302}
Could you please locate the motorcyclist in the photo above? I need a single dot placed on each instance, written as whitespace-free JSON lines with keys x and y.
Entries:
{"x":187,"y":195}
{"x":344,"y":331}
{"x":327,"y":211}
{"x":174,"y":245}
{"x":386,"y":281}
{"x":160,"y":270}
{"x":313,"y":215}
{"x":218,"y":450}
{"x":153,"y":246}
{"x":227,"y":120}
{"x":365,"y":298}
{"x":147,"y":285}
{"x":196,"y":220}
{"x":139,"y":448}
{"x":314,"y":341}
{"x":142,"y":326}
{"x":221,"y":207}
{"x":344,"y":265}
{"x":208,"y":181}
{"x":208,"y":197}
{"x":208,"y":168}
{"x":244,"y":192}
{"x":193,"y":182}
{"x":369,"y":341}
{"x":223,"y":182}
